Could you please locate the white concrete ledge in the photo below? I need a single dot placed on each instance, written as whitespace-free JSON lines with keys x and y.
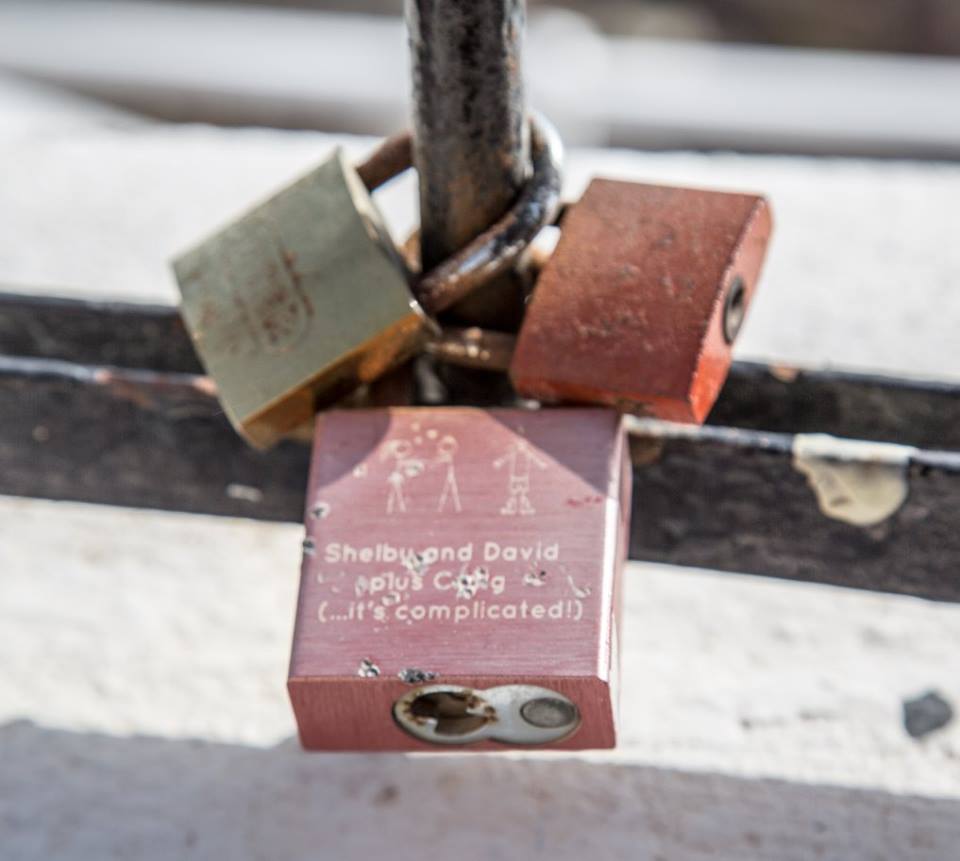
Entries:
{"x":148,"y":651}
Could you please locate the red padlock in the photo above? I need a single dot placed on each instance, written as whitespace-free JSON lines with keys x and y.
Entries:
{"x":639,"y":305}
{"x":460,"y":580}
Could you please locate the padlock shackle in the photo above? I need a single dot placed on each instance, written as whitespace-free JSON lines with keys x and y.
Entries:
{"x":392,"y":157}
{"x":473,"y":347}
{"x":498,"y":248}
{"x":471,"y":142}
{"x":501,"y":246}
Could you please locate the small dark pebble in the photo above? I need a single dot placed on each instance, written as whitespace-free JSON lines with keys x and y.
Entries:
{"x":386,"y":795}
{"x":926,"y":714}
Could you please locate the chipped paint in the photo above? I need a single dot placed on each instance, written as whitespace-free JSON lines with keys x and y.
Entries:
{"x":784,"y":373}
{"x":861,"y":483}
{"x":368,"y":669}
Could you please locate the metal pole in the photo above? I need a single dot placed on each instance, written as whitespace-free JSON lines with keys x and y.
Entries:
{"x":471,"y":139}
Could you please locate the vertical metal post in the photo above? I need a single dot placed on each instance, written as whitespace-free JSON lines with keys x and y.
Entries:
{"x":471,"y":139}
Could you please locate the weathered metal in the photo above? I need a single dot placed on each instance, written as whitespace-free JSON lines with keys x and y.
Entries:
{"x":471,"y":145}
{"x":389,"y":159}
{"x":298,"y":302}
{"x":480,"y":547}
{"x":262,"y":321}
{"x":922,"y":413}
{"x":498,"y":248}
{"x":638,"y":306}
{"x":471,"y":141}
{"x":474,"y":347}
{"x":778,"y":398}
{"x":132,"y":437}
{"x":737,"y":501}
{"x":495,"y":250}
{"x":91,"y":332}
{"x":727,"y":499}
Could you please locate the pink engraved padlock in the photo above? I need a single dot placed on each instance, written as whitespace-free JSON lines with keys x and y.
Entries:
{"x":460,"y":580}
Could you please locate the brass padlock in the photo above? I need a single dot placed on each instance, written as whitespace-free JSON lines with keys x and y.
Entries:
{"x":306,"y":297}
{"x":298,"y":302}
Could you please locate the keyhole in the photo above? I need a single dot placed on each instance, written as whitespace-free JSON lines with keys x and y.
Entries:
{"x":455,"y":712}
{"x":510,"y":714}
{"x":734,"y":310}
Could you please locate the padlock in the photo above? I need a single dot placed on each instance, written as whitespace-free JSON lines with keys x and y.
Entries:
{"x":305,"y":298}
{"x":460,"y":580}
{"x":298,"y":302}
{"x":639,"y":305}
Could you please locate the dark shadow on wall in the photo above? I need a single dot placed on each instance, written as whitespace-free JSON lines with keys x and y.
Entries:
{"x":69,"y":795}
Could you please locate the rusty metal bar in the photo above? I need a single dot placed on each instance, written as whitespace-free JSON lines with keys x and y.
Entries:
{"x":736,"y":501}
{"x":923,"y":413}
{"x":471,"y":139}
{"x":471,"y":145}
{"x":721,"y":498}
{"x":497,"y":250}
{"x":91,"y":332}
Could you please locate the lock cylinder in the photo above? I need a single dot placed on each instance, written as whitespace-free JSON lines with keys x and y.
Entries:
{"x":510,"y":714}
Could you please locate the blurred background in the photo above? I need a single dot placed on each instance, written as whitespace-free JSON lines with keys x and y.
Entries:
{"x":849,"y":77}
{"x":912,"y":26}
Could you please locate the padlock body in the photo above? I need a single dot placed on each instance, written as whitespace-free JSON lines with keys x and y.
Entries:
{"x":298,"y":302}
{"x":475,"y":549}
{"x":635,"y":307}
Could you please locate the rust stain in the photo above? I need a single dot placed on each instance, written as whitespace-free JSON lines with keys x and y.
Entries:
{"x":149,"y":390}
{"x":645,"y":450}
{"x":784,"y":373}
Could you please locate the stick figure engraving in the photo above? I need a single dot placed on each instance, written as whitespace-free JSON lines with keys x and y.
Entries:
{"x":520,"y":458}
{"x":404,"y":469}
{"x":446,"y":452}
